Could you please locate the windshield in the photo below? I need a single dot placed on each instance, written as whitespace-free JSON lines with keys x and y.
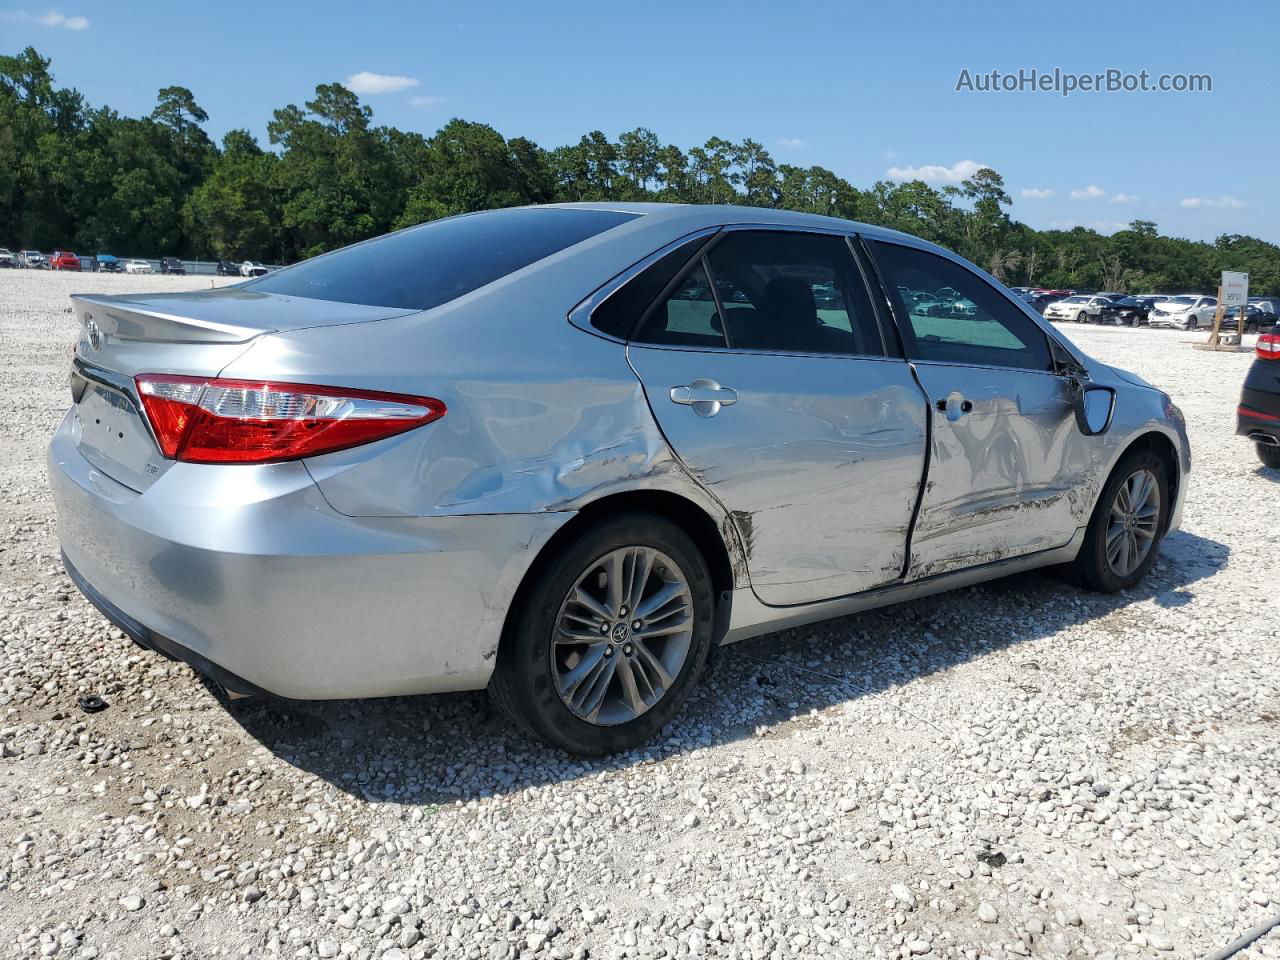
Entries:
{"x":1181,"y":301}
{"x":1076,"y":300}
{"x":425,"y":266}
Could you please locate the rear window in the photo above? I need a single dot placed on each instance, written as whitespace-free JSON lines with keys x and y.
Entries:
{"x":424,"y":266}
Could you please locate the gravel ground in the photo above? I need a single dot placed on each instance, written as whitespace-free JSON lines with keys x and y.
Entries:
{"x":1016,"y":769}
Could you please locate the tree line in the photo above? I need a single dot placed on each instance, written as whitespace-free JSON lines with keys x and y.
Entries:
{"x":74,"y":175}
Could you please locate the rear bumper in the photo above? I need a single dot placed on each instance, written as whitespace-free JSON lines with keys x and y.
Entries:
{"x":1258,"y":416}
{"x":247,"y":574}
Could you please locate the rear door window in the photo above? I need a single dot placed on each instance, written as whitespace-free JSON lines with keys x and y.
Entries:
{"x":428,"y":265}
{"x":771,"y":291}
{"x":687,"y":316}
{"x":787,"y":291}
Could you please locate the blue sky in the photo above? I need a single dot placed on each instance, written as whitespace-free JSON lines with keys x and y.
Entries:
{"x":866,"y":89}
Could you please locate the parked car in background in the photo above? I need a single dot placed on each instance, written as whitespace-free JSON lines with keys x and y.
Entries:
{"x":1255,"y":319}
{"x":1130,"y":311}
{"x":252,"y":268}
{"x":109,"y":264}
{"x":172,"y":265}
{"x":1039,"y":302}
{"x":138,"y":266}
{"x":7,"y":259}
{"x":228,"y":269}
{"x":33,"y":260}
{"x":1078,"y":309}
{"x":1186,"y":312}
{"x":64,"y":260}
{"x":1269,"y":305}
{"x":522,"y":450}
{"x":1258,"y":416}
{"x":88,"y":262}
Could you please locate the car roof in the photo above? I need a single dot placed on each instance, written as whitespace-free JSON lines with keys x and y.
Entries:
{"x":696,"y":216}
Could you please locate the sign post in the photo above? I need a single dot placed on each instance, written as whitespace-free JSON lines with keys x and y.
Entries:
{"x":1233,"y":292}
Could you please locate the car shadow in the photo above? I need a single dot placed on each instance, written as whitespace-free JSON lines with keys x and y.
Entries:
{"x":404,"y":749}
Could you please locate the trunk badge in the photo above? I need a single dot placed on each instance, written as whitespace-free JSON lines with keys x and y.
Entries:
{"x":95,"y":334}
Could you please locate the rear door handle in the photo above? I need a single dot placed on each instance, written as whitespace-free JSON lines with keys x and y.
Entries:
{"x":705,"y":396}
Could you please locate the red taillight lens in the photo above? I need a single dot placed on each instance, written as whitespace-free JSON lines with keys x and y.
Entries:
{"x":1268,"y":346}
{"x":253,"y":421}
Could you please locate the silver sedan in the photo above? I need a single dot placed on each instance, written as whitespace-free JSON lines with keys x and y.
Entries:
{"x":561,"y":451}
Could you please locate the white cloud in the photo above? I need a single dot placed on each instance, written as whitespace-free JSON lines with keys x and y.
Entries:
{"x":936,"y":172}
{"x":50,"y":19}
{"x":1231,"y":203}
{"x":1031,"y":193}
{"x":790,"y":142}
{"x":366,"y":82}
{"x":1125,"y":198}
{"x":425,"y":101}
{"x":1091,"y":192}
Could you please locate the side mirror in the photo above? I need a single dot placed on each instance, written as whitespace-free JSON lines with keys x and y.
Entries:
{"x":1094,"y":407}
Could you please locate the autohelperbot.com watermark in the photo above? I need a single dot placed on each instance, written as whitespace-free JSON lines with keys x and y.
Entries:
{"x":1065,"y":82}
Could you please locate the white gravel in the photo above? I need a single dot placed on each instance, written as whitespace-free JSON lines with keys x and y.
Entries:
{"x":1018,"y":769}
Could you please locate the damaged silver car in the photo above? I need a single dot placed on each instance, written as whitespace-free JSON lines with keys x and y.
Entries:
{"x":561,"y":451}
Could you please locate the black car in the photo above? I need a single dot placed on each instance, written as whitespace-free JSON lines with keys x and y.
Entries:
{"x":1131,"y":311}
{"x":1258,"y":416}
{"x":172,"y":265}
{"x":228,"y":269}
{"x":1255,"y":319}
{"x":1038,"y":301}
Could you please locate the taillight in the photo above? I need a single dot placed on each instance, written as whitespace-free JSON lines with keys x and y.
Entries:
{"x":200,"y":420}
{"x":1268,"y":346}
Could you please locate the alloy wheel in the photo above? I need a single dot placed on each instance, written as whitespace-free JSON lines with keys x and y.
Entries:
{"x":1133,"y":524}
{"x":622,"y":635}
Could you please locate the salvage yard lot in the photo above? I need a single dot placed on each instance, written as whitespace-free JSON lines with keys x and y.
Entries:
{"x":1017,"y":769}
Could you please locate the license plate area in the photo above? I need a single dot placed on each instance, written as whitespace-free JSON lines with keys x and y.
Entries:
{"x":115,"y":438}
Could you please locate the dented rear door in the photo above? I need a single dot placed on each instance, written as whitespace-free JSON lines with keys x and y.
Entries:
{"x":819,"y":460}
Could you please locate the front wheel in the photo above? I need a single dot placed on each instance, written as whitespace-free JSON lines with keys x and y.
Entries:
{"x":1124,"y":534}
{"x":1269,"y":455}
{"x":608,"y":637}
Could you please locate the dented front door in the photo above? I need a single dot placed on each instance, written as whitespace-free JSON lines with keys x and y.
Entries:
{"x":1007,"y":467}
{"x":818,"y":459}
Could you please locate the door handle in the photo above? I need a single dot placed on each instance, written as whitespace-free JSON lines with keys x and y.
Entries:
{"x":954,"y":405}
{"x":705,"y":396}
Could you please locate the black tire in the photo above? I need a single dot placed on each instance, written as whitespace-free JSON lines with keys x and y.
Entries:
{"x":1192,"y":323}
{"x":1091,"y":566}
{"x":523,"y":681}
{"x":1269,"y":455}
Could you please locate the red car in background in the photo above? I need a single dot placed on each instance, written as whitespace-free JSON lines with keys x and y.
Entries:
{"x":62,"y":260}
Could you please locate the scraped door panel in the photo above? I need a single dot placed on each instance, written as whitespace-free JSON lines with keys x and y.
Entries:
{"x":819,"y":459}
{"x":1007,"y":473}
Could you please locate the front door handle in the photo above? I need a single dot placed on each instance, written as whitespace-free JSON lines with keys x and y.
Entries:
{"x":705,"y":396}
{"x":954,"y":405}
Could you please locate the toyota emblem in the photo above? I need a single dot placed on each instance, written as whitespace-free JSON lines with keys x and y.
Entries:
{"x":95,"y":334}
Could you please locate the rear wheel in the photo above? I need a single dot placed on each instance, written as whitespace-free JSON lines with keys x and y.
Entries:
{"x":609,"y":636}
{"x":1128,"y":523}
{"x":1269,"y":455}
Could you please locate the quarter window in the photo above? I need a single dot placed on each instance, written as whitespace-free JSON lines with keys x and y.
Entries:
{"x":954,"y":316}
{"x":622,"y":310}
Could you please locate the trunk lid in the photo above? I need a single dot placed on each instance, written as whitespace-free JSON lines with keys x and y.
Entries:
{"x":191,"y":334}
